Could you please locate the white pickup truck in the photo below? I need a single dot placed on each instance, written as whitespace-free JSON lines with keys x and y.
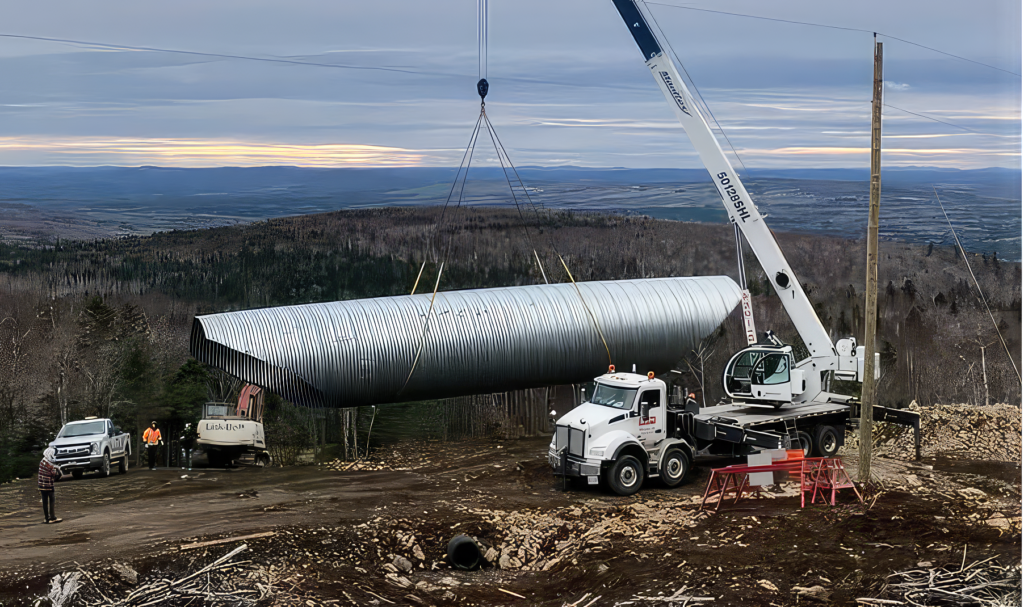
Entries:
{"x":91,"y":444}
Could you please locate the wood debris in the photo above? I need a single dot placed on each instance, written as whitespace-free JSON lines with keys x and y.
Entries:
{"x":984,"y":582}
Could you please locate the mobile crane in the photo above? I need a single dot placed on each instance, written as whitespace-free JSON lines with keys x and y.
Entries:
{"x":623,"y":433}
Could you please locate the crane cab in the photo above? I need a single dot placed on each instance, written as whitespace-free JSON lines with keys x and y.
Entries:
{"x":764,"y":373}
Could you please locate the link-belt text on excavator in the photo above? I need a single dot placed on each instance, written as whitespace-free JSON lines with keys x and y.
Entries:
{"x":733,"y":196}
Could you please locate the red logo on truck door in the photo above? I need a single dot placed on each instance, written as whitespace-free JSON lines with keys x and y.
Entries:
{"x":647,"y":421}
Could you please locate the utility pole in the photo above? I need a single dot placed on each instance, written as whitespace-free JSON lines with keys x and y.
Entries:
{"x":868,"y":393}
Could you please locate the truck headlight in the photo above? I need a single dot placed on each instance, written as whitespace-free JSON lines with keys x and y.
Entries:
{"x":94,"y":448}
{"x":597,"y":451}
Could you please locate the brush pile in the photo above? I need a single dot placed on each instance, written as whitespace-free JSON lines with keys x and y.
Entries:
{"x":224,"y":582}
{"x":983,"y":583}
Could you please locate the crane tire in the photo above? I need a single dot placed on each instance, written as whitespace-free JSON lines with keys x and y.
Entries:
{"x":826,"y":441}
{"x":625,"y":476}
{"x":806,"y":443}
{"x":674,"y":468}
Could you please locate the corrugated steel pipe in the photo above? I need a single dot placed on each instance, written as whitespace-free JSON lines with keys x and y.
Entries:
{"x":360,"y":352}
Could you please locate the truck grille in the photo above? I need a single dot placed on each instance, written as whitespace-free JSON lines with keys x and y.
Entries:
{"x":572,"y":437}
{"x":71,"y":452}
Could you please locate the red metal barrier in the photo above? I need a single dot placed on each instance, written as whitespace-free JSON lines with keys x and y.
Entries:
{"x":817,"y":476}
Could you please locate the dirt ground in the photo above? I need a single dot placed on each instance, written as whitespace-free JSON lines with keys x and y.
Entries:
{"x":336,"y":535}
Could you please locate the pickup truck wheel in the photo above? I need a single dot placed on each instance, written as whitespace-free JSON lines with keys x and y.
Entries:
{"x":625,"y":476}
{"x":804,"y":440}
{"x":77,"y":473}
{"x":105,"y":468}
{"x":827,"y":441}
{"x":674,"y":468}
{"x":122,"y":464}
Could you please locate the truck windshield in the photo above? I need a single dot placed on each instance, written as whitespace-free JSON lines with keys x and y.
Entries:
{"x":97,"y":427}
{"x":610,"y":396}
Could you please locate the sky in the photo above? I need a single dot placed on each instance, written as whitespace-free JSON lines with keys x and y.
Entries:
{"x":395,"y":84}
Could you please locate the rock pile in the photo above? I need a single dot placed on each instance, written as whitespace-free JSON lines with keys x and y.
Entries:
{"x":541,"y":540}
{"x":427,"y":455}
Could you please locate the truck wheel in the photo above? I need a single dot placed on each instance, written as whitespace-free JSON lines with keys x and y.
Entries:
{"x":827,"y":441}
{"x":77,"y":474}
{"x":105,"y":468}
{"x":805,"y":442}
{"x":625,"y":476}
{"x":674,"y":468}
{"x":122,"y":464}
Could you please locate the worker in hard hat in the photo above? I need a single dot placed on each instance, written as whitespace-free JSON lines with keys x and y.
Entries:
{"x":153,"y":440}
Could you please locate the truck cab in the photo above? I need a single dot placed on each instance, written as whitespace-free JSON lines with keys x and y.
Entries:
{"x":622,"y":434}
{"x":91,"y":444}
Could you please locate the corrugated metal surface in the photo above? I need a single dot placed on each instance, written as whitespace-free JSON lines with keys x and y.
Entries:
{"x":360,"y":352}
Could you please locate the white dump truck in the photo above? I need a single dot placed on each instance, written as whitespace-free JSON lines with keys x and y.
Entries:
{"x":91,"y":444}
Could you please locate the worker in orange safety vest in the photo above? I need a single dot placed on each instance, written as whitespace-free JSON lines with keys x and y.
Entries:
{"x":152,"y":439}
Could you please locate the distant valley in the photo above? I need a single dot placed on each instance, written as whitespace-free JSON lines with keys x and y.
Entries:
{"x":41,"y":204}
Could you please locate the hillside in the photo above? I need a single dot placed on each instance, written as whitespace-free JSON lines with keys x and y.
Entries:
{"x":101,"y":327}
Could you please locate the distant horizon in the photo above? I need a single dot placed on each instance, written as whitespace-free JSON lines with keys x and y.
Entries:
{"x":527,"y":166}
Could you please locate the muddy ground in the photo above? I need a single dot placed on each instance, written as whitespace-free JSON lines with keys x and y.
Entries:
{"x":337,"y":533}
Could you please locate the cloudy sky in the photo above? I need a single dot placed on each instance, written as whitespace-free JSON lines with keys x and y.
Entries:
{"x":568,"y":85}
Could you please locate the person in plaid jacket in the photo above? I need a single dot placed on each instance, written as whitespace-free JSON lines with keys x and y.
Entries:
{"x":49,"y":472}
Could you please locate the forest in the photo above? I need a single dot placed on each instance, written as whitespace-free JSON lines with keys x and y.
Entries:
{"x":101,"y":327}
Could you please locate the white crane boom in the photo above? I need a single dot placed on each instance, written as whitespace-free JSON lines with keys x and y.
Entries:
{"x":743,"y":213}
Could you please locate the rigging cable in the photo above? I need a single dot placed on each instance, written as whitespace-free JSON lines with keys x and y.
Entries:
{"x":467,"y":159}
{"x":704,"y":104}
{"x":593,"y":318}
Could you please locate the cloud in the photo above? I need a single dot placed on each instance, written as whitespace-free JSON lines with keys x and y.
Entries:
{"x":895,"y":86}
{"x":206,"y":153}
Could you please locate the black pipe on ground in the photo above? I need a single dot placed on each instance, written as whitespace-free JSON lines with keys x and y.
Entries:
{"x":464,"y":553}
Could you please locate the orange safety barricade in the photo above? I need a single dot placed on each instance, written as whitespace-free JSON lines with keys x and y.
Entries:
{"x":825,"y":477}
{"x":817,"y":476}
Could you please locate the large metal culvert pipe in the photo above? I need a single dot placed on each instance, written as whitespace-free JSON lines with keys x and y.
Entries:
{"x":478,"y":341}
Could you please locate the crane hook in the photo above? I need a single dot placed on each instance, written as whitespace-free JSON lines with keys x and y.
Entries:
{"x":481,"y":88}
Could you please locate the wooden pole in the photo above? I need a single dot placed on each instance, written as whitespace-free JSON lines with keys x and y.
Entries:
{"x":868,"y":394}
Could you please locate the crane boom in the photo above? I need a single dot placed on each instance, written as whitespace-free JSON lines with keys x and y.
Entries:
{"x":741,"y":209}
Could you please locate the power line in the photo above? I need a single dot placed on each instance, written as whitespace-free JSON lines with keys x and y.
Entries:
{"x":937,"y":120}
{"x":122,"y":47}
{"x":152,"y":49}
{"x":699,"y":95}
{"x":835,"y":27}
